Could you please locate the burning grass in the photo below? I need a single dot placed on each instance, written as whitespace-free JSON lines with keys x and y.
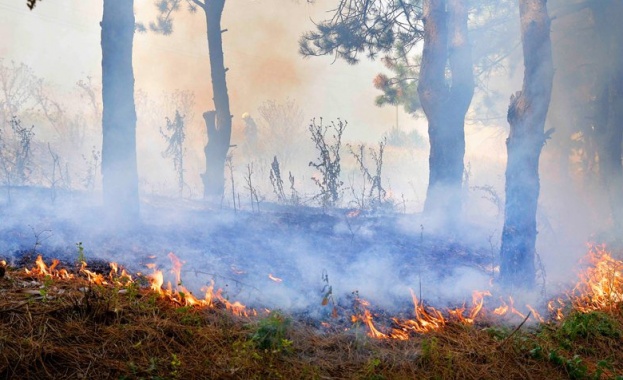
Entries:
{"x":60,"y":323}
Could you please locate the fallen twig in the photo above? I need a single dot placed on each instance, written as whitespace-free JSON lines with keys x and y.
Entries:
{"x":514,"y":331}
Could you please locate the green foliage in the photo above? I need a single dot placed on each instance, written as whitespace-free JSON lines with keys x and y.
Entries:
{"x":430,"y":350}
{"x":371,"y":369}
{"x":498,"y":332}
{"x":589,"y":325}
{"x":401,"y":88}
{"x":188,"y":317}
{"x":45,"y":289}
{"x":363,"y":26}
{"x":270,"y":333}
{"x":575,"y":367}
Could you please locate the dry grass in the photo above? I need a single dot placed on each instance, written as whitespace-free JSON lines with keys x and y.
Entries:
{"x":68,"y":329}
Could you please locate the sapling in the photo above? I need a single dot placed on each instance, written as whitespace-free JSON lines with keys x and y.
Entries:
{"x":175,"y":135}
{"x":252,"y":190}
{"x":328,"y":162}
{"x":377,"y":194}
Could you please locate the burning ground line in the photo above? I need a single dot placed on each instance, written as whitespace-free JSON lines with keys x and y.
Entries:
{"x":184,"y":297}
{"x":599,"y":288}
{"x":120,"y":278}
{"x":428,"y":318}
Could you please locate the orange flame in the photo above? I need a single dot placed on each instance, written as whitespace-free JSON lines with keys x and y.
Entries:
{"x":601,"y":285}
{"x":276,"y":279}
{"x":181,"y":295}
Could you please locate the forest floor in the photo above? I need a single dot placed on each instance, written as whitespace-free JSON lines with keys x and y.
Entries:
{"x":305,"y":275}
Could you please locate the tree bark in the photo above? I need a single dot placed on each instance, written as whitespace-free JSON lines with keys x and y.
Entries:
{"x":526,"y":115}
{"x":445,"y":41}
{"x":218,"y":122}
{"x":119,"y":168}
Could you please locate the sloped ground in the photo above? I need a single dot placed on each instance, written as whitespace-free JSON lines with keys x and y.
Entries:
{"x":69,"y":329}
{"x":53,"y":328}
{"x":380,"y":256}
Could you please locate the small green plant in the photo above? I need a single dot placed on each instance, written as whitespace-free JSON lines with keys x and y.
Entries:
{"x":575,"y":367}
{"x":371,"y":369}
{"x":176,"y":364}
{"x":498,"y":333}
{"x":81,"y":258}
{"x":44,"y":291}
{"x":430,"y":351}
{"x":589,"y":325}
{"x":270,"y":333}
{"x":188,"y":316}
{"x":327,"y":294}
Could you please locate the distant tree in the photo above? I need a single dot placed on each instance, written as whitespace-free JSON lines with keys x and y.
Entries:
{"x":587,"y":88}
{"x":608,"y":126}
{"x":526,"y":115}
{"x":279,"y":120}
{"x":219,"y":129}
{"x":18,"y":91}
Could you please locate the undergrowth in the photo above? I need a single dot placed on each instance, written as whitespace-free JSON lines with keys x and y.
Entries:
{"x":69,"y":329}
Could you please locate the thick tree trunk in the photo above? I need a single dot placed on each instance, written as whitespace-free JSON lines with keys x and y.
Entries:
{"x":120,"y":176}
{"x":526,"y":115}
{"x":219,"y":127}
{"x":445,"y":41}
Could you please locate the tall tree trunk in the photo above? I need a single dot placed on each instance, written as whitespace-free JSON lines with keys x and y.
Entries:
{"x":608,"y":129}
{"x":445,"y":41}
{"x":526,"y":115}
{"x":218,"y":122}
{"x":119,"y":171}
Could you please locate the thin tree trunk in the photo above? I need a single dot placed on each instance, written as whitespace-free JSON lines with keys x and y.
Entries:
{"x":445,"y":41}
{"x":526,"y":115}
{"x":119,"y":168}
{"x":219,"y":125}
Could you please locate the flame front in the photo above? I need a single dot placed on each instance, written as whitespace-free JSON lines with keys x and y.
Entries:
{"x":601,"y":284}
{"x":600,"y":287}
{"x":182,"y":296}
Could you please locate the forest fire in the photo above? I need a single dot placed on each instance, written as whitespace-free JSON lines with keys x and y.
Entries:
{"x":600,"y":287}
{"x":184,"y":297}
